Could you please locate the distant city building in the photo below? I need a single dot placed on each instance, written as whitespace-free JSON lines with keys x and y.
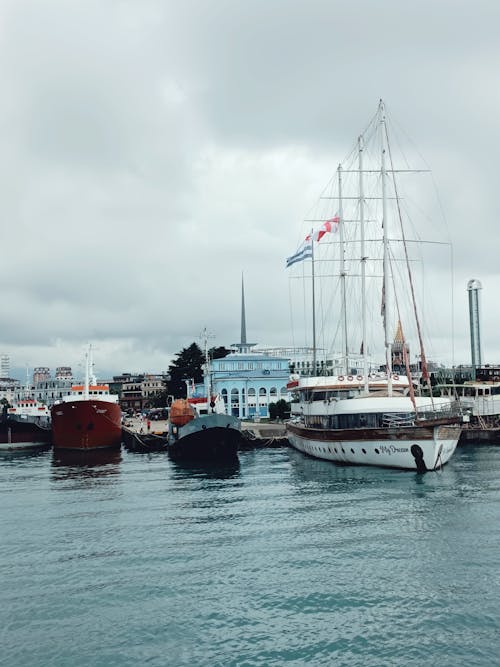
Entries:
{"x":9,"y":389}
{"x":4,"y":366}
{"x":399,"y":349}
{"x":137,"y":392}
{"x":40,"y":374}
{"x":50,"y":390}
{"x":64,"y":373}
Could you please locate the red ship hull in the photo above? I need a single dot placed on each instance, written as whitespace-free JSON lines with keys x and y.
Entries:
{"x":87,"y":424}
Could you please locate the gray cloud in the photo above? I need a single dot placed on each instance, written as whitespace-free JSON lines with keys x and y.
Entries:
{"x":153,"y":151}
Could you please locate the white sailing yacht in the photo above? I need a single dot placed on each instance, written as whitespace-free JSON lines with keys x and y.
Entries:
{"x":363,"y":416}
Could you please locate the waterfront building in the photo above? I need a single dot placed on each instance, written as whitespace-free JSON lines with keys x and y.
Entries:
{"x":4,"y":366}
{"x":9,"y":389}
{"x":138,"y":391}
{"x":64,"y":373}
{"x":301,"y":360}
{"x":41,"y":374}
{"x":50,"y":390}
{"x":247,"y":380}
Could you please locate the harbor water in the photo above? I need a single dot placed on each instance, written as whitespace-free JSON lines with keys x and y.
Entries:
{"x":130,"y":559}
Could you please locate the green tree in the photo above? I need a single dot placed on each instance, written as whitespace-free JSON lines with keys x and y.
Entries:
{"x":187,"y":365}
{"x":218,"y":352}
{"x":279,"y":410}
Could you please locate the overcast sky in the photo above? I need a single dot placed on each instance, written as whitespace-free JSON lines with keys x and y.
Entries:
{"x":153,"y":151}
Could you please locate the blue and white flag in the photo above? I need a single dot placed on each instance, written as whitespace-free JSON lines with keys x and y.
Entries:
{"x":304,"y":252}
{"x":305,"y":249}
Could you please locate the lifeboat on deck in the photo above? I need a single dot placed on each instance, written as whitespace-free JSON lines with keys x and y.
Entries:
{"x":181,"y":412}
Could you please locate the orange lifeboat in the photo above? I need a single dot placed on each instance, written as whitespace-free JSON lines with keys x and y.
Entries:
{"x":181,"y":412}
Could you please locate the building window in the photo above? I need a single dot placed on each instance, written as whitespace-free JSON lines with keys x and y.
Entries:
{"x":262,"y":391}
{"x":273,"y":391}
{"x":251,"y":391}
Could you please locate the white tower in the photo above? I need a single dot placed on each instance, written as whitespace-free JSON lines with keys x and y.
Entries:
{"x":473,"y":287}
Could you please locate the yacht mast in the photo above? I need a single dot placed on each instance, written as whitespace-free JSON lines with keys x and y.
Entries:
{"x":363,"y":262}
{"x":386,"y":276}
{"x":313,"y":296}
{"x":343,"y":309}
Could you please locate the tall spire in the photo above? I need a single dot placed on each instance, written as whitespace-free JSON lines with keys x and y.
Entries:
{"x":243,"y":346}
{"x":243,"y":321}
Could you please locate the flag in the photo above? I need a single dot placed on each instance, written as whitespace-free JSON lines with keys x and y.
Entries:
{"x":304,"y":252}
{"x":329,"y":226}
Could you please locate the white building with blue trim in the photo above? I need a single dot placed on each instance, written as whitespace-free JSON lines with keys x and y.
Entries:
{"x":249,"y":381}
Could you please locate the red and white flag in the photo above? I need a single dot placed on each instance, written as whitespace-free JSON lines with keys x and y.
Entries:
{"x":330,"y":226}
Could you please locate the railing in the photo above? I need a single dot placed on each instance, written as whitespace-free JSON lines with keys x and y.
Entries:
{"x":392,"y":420}
{"x":426,"y":413}
{"x":430,"y":412}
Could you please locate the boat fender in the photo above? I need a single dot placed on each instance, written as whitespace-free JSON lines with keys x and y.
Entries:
{"x":349,"y":377}
{"x":340,"y":378}
{"x":395,"y":377}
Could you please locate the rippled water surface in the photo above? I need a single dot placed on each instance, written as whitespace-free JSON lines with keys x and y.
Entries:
{"x":130,"y":559}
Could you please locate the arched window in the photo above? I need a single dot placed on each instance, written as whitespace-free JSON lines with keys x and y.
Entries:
{"x":273,"y":392}
{"x":283,"y":391}
{"x":251,"y":391}
{"x":262,"y":391}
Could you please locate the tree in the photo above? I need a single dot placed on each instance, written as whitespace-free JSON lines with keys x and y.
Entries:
{"x":218,"y":352}
{"x":279,"y":410}
{"x":187,"y":366}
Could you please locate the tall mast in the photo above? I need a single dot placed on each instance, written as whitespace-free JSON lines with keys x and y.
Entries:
{"x":313,"y":296}
{"x":87,"y":373}
{"x":207,"y":373}
{"x":343,"y":309}
{"x":386,"y":276}
{"x":363,"y":261}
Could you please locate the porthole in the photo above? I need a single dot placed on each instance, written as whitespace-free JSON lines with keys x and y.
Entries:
{"x":352,"y":450}
{"x":343,"y":450}
{"x":376,"y":451}
{"x":363,"y":450}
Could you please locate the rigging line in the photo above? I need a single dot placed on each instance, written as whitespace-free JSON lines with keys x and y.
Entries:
{"x":368,"y":131}
{"x":405,"y":354}
{"x":290,"y":309}
{"x":425,"y":371}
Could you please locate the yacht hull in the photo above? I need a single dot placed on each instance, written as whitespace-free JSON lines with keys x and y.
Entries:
{"x":419,"y":448}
